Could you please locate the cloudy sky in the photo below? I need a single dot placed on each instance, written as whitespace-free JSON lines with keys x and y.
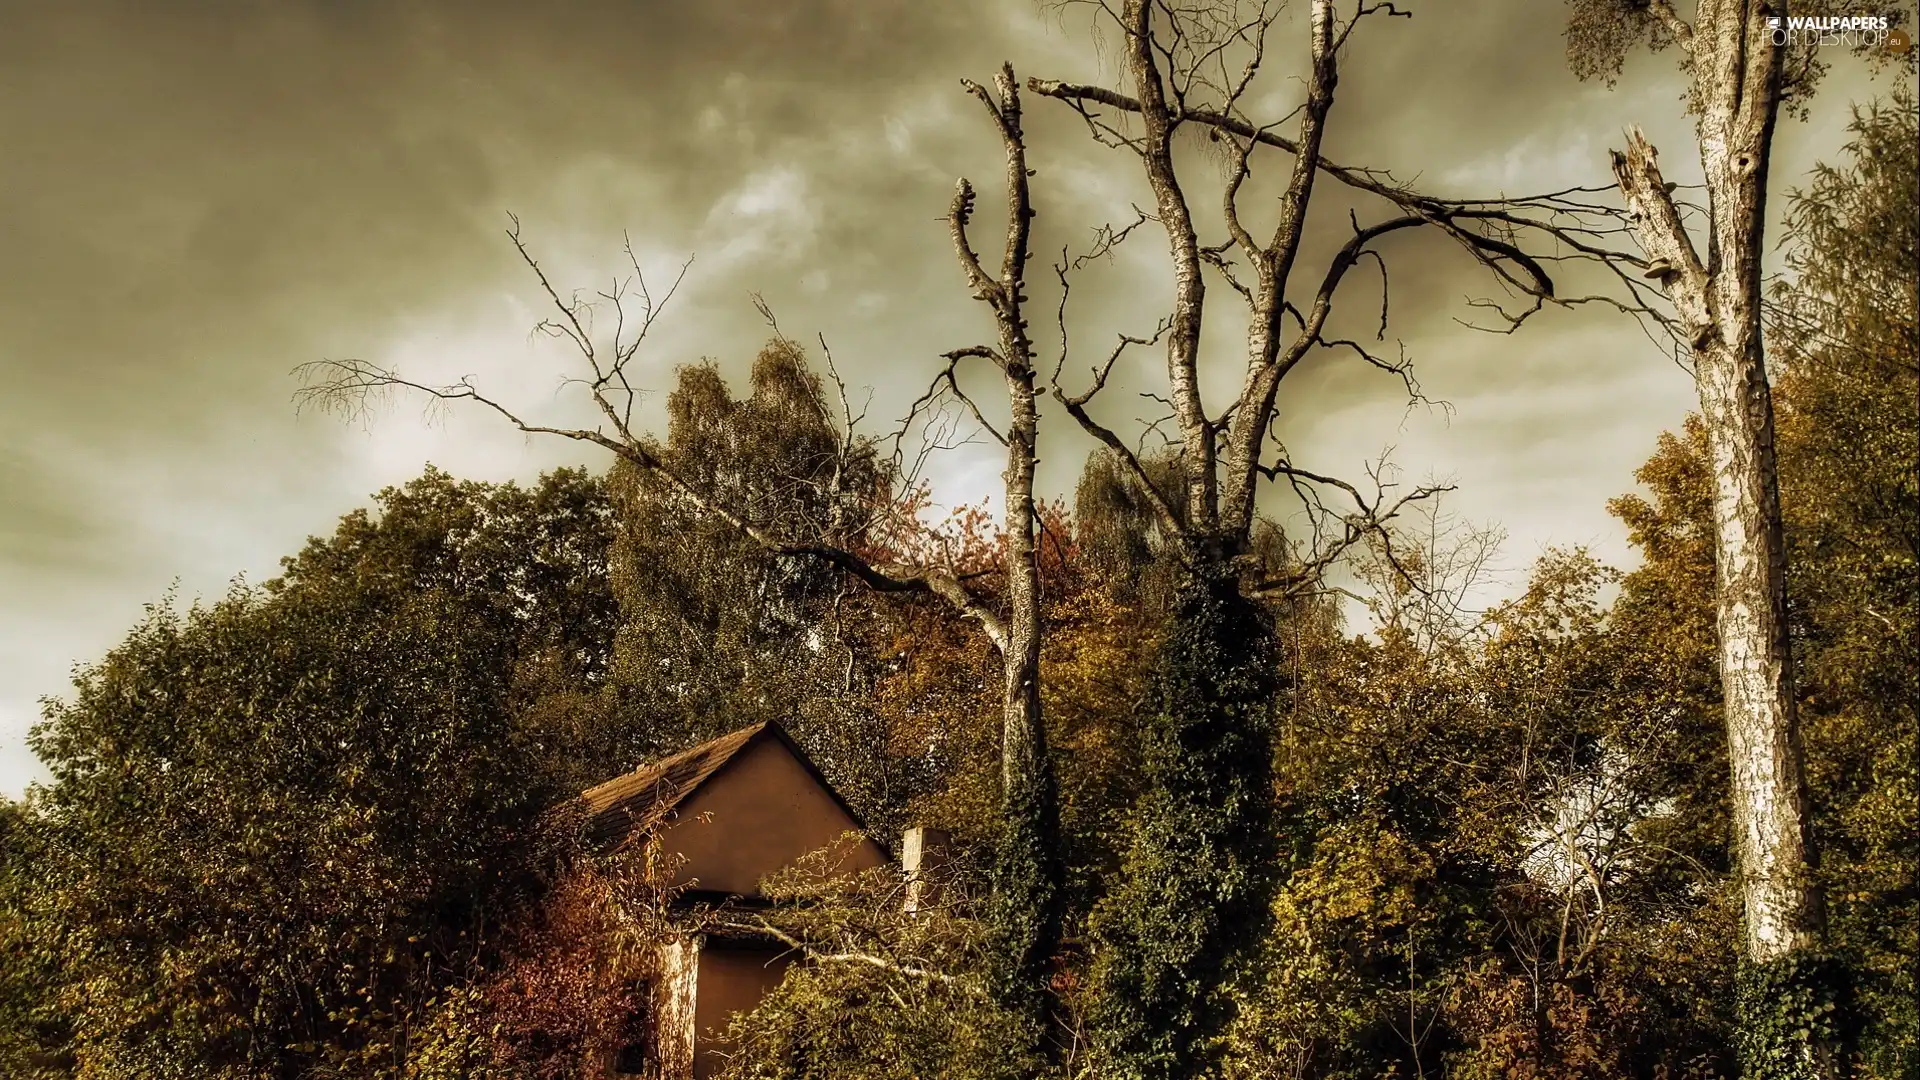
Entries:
{"x":200,"y":195}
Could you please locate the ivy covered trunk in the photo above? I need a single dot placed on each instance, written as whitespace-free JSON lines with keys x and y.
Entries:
{"x":1196,"y":875}
{"x":1026,"y":905}
{"x":1026,"y":888}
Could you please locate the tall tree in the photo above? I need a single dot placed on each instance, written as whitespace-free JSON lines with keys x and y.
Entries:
{"x":1191,"y":892}
{"x":1737,"y":86}
{"x":1027,"y":894}
{"x":1737,"y":54}
{"x":714,"y":631}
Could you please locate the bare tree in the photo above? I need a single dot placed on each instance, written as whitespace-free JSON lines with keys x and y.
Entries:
{"x":1027,"y":867}
{"x":1221,"y":451}
{"x":1193,"y":883}
{"x":1195,"y":67}
{"x":351,"y":387}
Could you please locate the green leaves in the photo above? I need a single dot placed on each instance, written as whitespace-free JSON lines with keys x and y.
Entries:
{"x":275,"y":819}
{"x":1189,"y":902}
{"x":1786,"y":1008}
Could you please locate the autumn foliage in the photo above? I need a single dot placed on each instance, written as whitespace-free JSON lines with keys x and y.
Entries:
{"x":305,"y":831}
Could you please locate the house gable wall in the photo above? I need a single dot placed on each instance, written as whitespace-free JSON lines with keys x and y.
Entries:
{"x":760,"y":814}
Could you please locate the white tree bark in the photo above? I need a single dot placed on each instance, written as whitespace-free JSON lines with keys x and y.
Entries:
{"x":674,"y":1000}
{"x":1737,"y":73}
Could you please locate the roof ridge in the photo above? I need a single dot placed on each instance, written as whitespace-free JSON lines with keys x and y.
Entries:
{"x":636,"y":800}
{"x":744,"y":734}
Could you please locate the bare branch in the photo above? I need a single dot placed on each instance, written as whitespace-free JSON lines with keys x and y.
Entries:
{"x":1368,"y":521}
{"x":948,"y":382}
{"x":351,"y":387}
{"x":818,"y":955}
{"x":1673,"y":261}
{"x":959,"y":213}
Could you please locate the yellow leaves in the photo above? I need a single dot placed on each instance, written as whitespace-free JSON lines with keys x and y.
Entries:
{"x":1364,"y":874}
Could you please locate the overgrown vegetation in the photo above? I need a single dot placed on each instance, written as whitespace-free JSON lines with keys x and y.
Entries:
{"x":303,"y":831}
{"x":1194,"y":878}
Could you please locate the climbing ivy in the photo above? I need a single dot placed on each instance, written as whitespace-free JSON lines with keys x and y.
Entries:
{"x":1025,"y":913}
{"x":1793,"y":1016}
{"x":1195,"y":877}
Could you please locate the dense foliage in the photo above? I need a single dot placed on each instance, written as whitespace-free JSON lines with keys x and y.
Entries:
{"x":303,"y":831}
{"x":1191,"y":886}
{"x":1849,"y":403}
{"x":278,"y":823}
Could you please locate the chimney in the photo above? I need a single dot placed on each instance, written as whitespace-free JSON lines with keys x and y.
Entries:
{"x":924,"y":856}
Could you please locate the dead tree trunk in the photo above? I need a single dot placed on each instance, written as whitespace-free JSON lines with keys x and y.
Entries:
{"x":1198,"y":869}
{"x":1027,"y":898}
{"x":1737,"y":70}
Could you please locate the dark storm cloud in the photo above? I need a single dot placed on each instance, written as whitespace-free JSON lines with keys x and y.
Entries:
{"x":197,"y":196}
{"x":183,"y":176}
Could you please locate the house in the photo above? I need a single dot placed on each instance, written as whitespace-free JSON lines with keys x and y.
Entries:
{"x":726,"y":814}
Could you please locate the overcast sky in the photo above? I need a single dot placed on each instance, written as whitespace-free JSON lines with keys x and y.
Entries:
{"x":197,"y":196}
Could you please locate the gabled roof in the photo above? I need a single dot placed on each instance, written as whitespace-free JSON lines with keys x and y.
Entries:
{"x":629,"y":805}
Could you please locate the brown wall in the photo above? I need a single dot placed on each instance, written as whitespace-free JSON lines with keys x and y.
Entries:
{"x":759,"y":814}
{"x":732,"y":979}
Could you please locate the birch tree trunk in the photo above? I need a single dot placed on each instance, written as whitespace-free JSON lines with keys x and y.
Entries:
{"x":1737,"y":88}
{"x":1737,"y":74}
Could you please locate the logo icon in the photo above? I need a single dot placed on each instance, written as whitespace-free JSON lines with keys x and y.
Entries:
{"x":1898,"y":42}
